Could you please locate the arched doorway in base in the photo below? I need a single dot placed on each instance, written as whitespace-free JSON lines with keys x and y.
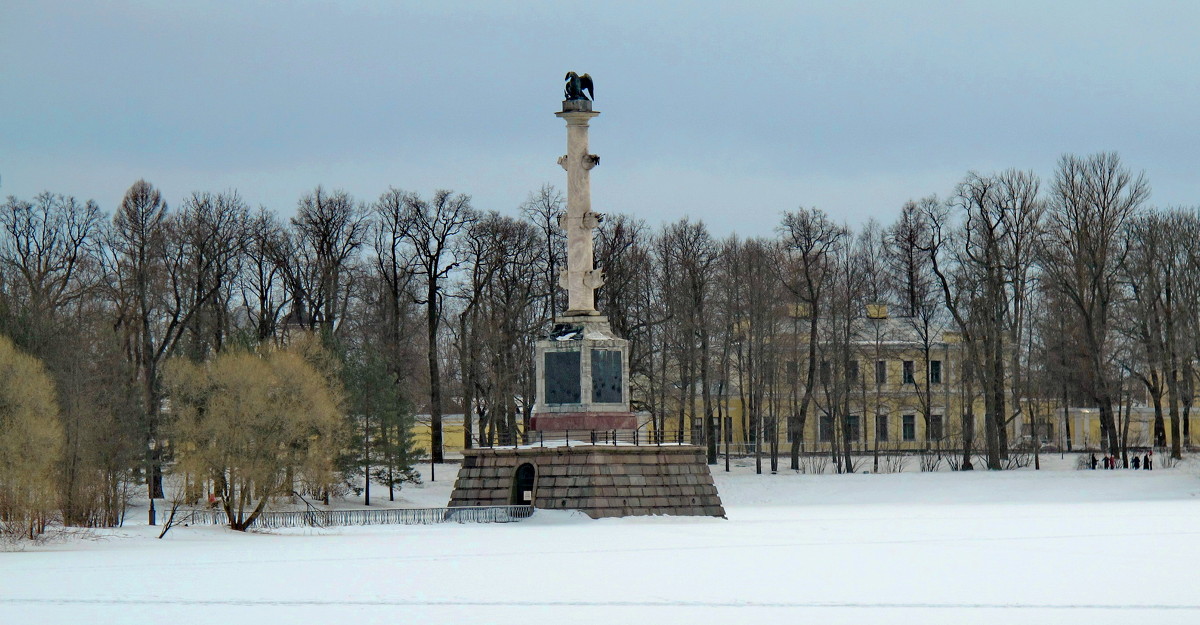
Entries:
{"x":522,"y":485}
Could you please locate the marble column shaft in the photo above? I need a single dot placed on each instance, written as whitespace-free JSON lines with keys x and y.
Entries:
{"x":580,"y":278}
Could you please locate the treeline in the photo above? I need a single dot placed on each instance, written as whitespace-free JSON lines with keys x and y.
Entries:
{"x":1070,"y":290}
{"x":1065,"y":292}
{"x":290,"y":325}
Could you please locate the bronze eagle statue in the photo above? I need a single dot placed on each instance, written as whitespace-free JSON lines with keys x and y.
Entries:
{"x":576,"y":85}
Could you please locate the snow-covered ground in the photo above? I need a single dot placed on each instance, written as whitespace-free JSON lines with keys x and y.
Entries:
{"x":1056,"y":546}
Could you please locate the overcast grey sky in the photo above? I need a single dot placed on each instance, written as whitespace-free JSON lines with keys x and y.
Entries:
{"x":726,"y":112}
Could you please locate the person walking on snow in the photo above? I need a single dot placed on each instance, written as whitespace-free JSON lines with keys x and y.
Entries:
{"x":1148,"y":461}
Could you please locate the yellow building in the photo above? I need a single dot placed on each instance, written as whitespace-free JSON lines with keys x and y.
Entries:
{"x":892,"y":391}
{"x":452,"y":433}
{"x":1081,"y":427}
{"x":891,"y":398}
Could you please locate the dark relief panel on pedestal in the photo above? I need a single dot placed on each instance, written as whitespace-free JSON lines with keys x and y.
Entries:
{"x":562,"y":378}
{"x":606,"y":376}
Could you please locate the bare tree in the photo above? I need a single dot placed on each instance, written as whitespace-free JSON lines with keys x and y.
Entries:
{"x":1154,"y":267}
{"x":1091,"y":201}
{"x":983,"y":268}
{"x":840,"y":378}
{"x":151,"y":308}
{"x":544,"y":207}
{"x":393,"y":272}
{"x":810,"y":240}
{"x":500,"y":321}
{"x":755,"y":321}
{"x":876,"y":255}
{"x":45,"y":248}
{"x":214,"y":230}
{"x":261,"y":284}
{"x":433,"y":227}
{"x":692,"y":254}
{"x":1022,"y":211}
{"x":329,"y":229}
{"x":913,"y":284}
{"x":1189,"y":291}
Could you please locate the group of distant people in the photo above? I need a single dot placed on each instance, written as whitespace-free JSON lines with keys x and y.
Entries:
{"x":1145,"y":463}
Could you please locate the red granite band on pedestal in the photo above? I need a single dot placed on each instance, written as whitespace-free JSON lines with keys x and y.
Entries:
{"x":562,"y":421}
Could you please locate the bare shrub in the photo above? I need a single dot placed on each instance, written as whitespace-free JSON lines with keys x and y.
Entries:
{"x":1165,"y":461}
{"x":1016,"y":460}
{"x":930,"y":461}
{"x":894,"y":463}
{"x":815,"y":463}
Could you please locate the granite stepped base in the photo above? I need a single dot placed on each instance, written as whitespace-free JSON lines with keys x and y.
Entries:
{"x":601,"y":481}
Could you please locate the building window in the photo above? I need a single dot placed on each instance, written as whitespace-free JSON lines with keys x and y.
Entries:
{"x":935,"y":432}
{"x":935,"y":372}
{"x":881,"y":372}
{"x":824,"y":372}
{"x":795,"y":432}
{"x":852,"y":371}
{"x":825,"y":429}
{"x":1045,"y":431}
{"x":909,"y":427}
{"x":908,"y":372}
{"x":881,"y":429}
{"x":855,"y":426}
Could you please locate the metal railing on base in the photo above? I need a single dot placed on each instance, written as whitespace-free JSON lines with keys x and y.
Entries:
{"x":543,"y":438}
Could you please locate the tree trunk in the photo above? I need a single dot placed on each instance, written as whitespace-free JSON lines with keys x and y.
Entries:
{"x":809,"y":383}
{"x":968,"y":417}
{"x":366,"y":460}
{"x":1173,"y":391}
{"x":710,"y":434}
{"x":1001,"y":396}
{"x":1066,"y":418}
{"x":1125,"y":431}
{"x":1108,"y":424}
{"x":1160,"y":428}
{"x":432,"y":317}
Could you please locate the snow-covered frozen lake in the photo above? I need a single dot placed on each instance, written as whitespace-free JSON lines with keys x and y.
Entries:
{"x":1056,"y":546}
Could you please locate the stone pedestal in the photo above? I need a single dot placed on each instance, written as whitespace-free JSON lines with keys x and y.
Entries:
{"x":599,"y":480}
{"x":582,"y":378}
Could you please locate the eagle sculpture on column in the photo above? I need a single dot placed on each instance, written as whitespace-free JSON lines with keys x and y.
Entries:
{"x":576,"y":85}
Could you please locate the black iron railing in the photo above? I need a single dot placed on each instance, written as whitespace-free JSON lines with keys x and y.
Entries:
{"x":542,"y":438}
{"x":381,"y":516}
